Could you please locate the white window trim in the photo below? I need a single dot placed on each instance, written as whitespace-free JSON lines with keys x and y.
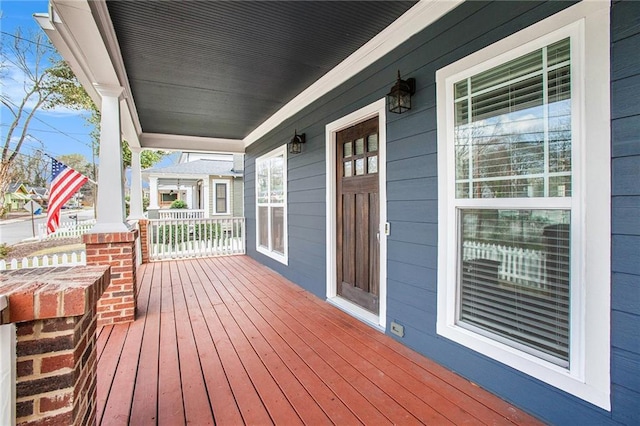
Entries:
{"x":215,"y":197}
{"x":378,"y":109}
{"x":589,"y":375}
{"x":276,"y":256}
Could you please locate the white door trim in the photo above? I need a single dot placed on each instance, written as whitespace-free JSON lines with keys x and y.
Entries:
{"x":378,"y":109}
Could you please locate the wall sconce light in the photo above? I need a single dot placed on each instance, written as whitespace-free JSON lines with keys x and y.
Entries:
{"x":399,"y":97}
{"x":295,"y":146}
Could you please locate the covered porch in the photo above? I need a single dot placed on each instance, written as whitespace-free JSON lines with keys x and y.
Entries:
{"x":228,"y":341}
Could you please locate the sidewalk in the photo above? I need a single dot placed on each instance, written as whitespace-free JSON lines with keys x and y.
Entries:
{"x":13,"y":217}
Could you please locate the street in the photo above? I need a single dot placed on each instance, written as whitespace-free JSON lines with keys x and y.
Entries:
{"x":16,"y":230}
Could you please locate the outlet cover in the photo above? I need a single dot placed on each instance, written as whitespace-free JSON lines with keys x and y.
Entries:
{"x":397,"y":329}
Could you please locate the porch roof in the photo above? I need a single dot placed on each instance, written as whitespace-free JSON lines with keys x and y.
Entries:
{"x":229,"y":341}
{"x":216,"y":76}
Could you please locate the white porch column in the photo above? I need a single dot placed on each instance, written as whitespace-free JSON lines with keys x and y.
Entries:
{"x":153,"y":193}
{"x":206,"y":188}
{"x":135,"y":204}
{"x":110,"y":180}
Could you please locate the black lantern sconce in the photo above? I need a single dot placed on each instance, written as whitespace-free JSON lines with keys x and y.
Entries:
{"x":399,"y":97}
{"x":295,"y":146}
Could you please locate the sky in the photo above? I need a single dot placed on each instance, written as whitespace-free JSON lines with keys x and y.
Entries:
{"x":61,"y":131}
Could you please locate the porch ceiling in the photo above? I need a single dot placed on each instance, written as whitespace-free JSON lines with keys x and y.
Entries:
{"x":220,"y":69}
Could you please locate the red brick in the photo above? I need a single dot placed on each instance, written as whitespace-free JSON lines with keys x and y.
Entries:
{"x":109,"y":314}
{"x":48,"y":304}
{"x":99,"y":259}
{"x":123,"y":306}
{"x":56,"y":362}
{"x":56,"y":402}
{"x":111,"y":301}
{"x":21,"y":307}
{"x":24,"y":329}
{"x":58,"y":324}
{"x":59,"y":419}
{"x":24,"y":368}
{"x":74,"y":302}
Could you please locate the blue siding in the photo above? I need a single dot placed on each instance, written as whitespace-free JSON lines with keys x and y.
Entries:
{"x":625,"y":283}
{"x":412,"y":205}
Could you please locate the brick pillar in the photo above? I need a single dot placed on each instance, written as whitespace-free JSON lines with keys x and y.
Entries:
{"x":54,"y":312}
{"x":144,"y":241}
{"x":117,"y":249}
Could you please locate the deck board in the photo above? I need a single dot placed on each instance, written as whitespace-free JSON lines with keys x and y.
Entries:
{"x":227,"y":341}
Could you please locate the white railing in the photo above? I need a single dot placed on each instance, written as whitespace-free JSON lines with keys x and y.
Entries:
{"x":179,"y":238}
{"x":180,"y":214}
{"x":516,"y":265}
{"x":73,"y":259}
{"x":66,"y":229}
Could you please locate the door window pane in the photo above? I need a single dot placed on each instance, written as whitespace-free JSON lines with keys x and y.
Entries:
{"x":359,"y":166}
{"x":347,"y":150}
{"x":373,"y":164}
{"x":348,"y":169}
{"x":372,"y":143}
{"x":359,"y":146}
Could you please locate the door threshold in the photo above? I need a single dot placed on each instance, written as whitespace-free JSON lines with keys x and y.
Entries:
{"x":357,"y":312}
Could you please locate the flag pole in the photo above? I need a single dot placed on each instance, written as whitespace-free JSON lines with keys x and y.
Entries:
{"x":88,"y":178}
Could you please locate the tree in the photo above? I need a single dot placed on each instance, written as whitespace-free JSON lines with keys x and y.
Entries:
{"x":74,"y":96}
{"x":32,"y":169}
{"x":40,"y":88}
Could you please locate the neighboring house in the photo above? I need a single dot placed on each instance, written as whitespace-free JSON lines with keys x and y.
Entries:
{"x":208,"y":182}
{"x":16,"y":196}
{"x":39,"y":194}
{"x":493,"y":227}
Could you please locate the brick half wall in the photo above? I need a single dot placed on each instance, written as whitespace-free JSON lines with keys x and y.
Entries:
{"x":54,"y":314}
{"x":117,"y":250}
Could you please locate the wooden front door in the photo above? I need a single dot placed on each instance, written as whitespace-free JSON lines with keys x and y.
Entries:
{"x":358,"y":215}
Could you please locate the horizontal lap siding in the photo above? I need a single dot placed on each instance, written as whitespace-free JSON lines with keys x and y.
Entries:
{"x":412,"y":204}
{"x":625,"y":129}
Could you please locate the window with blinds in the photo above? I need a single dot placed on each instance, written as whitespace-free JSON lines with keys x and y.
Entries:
{"x":271,"y":204}
{"x":221,"y":198}
{"x":512,"y":136}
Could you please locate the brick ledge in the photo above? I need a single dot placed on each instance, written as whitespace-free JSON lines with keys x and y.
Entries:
{"x":44,"y":293}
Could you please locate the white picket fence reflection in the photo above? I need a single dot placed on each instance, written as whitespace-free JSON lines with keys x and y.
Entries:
{"x":195,"y":237}
{"x":72,"y":259}
{"x":517,"y":265}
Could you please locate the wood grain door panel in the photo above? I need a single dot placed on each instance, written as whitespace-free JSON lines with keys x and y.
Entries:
{"x":358,"y":215}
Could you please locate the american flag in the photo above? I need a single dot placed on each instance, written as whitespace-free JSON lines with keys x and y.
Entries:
{"x":64,"y":183}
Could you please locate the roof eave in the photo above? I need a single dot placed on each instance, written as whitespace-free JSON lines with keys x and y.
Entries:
{"x":79,"y":28}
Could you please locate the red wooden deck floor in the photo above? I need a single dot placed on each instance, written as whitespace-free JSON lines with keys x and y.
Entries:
{"x":228,"y":341}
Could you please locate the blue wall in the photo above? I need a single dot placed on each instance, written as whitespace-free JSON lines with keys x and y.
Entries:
{"x":412,"y":200}
{"x":625,"y":282}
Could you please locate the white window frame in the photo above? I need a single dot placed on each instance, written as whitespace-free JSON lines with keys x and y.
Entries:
{"x":588,"y":376}
{"x":281,"y":151}
{"x":215,"y":197}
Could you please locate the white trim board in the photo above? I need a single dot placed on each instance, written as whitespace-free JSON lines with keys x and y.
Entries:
{"x":378,"y":108}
